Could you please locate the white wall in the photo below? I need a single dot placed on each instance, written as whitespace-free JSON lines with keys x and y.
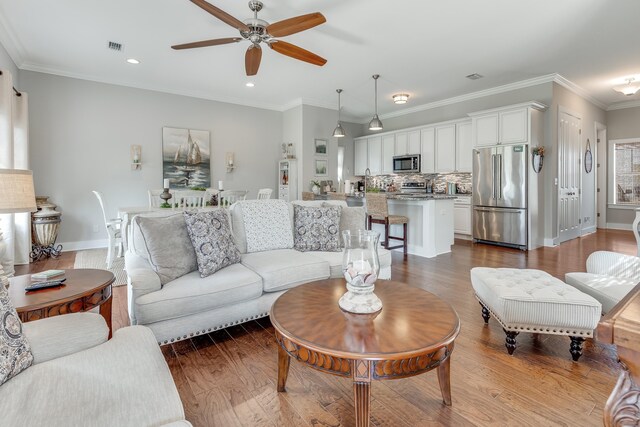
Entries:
{"x":6,"y":63}
{"x":81,"y":133}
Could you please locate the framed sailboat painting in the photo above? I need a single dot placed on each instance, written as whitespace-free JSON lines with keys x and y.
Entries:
{"x":186,"y":158}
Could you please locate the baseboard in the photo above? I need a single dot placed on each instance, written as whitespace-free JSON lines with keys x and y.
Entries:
{"x":84,"y":244}
{"x":589,"y":230}
{"x":550,"y":243}
{"x":615,"y":226}
{"x":462,"y":236}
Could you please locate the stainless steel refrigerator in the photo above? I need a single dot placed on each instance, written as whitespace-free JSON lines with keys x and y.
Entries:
{"x":500,"y":195}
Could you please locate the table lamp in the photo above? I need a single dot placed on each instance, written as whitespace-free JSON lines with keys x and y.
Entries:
{"x":16,"y":195}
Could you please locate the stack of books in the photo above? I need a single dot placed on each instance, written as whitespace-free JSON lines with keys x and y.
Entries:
{"x":47,"y":275}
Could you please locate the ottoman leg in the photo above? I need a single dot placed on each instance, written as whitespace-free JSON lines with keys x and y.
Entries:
{"x":511,"y":340}
{"x":485,"y":313}
{"x":576,"y":347}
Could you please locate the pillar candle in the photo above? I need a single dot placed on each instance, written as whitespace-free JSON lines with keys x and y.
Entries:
{"x":220,"y":186}
{"x":166,"y":183}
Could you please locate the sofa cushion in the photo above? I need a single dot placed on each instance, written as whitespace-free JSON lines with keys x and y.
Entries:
{"x":286,"y":268}
{"x":352,"y":218}
{"x":212,"y":241}
{"x":167,"y":242}
{"x":316,"y":228}
{"x":606,"y":289}
{"x":334,"y":259}
{"x":192,"y":294}
{"x":267,"y":225}
{"x":123,"y":382}
{"x":15,"y":352}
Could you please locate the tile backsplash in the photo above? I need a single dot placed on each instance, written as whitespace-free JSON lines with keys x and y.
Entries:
{"x":440,"y":181}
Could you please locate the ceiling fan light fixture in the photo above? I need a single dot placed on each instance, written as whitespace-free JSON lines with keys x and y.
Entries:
{"x":400,"y":98}
{"x":338,"y":132}
{"x":628,"y":89}
{"x":375,"y":123}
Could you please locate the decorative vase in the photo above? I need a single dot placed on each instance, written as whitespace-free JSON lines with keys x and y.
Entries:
{"x":361,"y":267}
{"x":315,"y":189}
{"x":45,"y":223}
{"x":537,"y":162}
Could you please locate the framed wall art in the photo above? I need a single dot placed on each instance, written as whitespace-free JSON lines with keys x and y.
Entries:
{"x":186,"y":157}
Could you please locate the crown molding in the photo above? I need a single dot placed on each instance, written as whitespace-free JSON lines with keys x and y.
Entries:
{"x":568,"y":84}
{"x":228,"y":100}
{"x":12,"y":45}
{"x":623,"y":105}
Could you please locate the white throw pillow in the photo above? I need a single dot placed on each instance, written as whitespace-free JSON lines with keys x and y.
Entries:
{"x":267,"y":225}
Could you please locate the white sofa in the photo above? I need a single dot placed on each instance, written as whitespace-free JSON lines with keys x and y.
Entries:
{"x":190,"y":305}
{"x":78,"y":378}
{"x":609,"y":278}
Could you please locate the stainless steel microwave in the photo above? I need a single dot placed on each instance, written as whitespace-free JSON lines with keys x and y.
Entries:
{"x":409,"y":163}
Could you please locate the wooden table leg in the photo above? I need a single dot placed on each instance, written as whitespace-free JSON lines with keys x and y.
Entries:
{"x":444,"y":378}
{"x":105,"y":311}
{"x":283,"y":368}
{"x":362,"y":392}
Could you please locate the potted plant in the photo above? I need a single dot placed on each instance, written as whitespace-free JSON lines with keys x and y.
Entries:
{"x":315,"y":187}
{"x":537,"y":158}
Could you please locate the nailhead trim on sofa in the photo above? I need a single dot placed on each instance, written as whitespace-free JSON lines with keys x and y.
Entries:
{"x":216,"y":328}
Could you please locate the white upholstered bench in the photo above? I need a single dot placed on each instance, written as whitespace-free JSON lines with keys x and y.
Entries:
{"x":534,"y":301}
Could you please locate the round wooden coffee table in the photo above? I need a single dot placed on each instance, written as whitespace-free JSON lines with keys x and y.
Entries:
{"x":83,"y":290}
{"x":413,"y":333}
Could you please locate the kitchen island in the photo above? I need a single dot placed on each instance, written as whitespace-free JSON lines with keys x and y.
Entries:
{"x":430,"y":226}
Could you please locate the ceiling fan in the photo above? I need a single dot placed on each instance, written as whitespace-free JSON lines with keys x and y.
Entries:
{"x":259,"y":31}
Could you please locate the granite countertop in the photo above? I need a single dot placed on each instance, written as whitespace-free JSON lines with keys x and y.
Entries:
{"x":421,"y":197}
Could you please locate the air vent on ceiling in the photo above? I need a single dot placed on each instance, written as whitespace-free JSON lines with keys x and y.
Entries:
{"x":474,"y":76}
{"x":115,"y":46}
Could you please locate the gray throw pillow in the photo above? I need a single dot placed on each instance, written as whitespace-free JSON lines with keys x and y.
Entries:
{"x":317,"y":228}
{"x":15,"y":351}
{"x":212,"y":240}
{"x":171,"y":253}
{"x":352,"y":218}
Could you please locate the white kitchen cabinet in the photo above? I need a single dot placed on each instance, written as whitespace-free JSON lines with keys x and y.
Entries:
{"x":360,"y":156}
{"x":388,"y":151}
{"x":401,"y":144}
{"x":445,"y":148}
{"x":464,"y":147}
{"x":428,"y":151}
{"x":374,"y":147}
{"x":486,"y":130}
{"x":514,"y":126}
{"x":462,"y":215}
{"x":413,"y":143}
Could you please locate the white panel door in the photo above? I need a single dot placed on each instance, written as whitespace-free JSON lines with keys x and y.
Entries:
{"x":428,"y":152}
{"x":375,"y":155}
{"x":569,"y":172}
{"x":401,"y":144}
{"x":464,"y":147}
{"x":360,"y":156}
{"x":486,"y":130}
{"x":413,"y":144}
{"x":445,"y":148}
{"x":388,"y":151}
{"x":514,"y":126}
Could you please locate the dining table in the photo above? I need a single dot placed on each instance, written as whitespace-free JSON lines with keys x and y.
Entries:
{"x":128,"y":212}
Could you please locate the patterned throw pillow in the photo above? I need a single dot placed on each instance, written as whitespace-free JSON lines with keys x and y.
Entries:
{"x":267,"y":225}
{"x":211,"y":236}
{"x":317,"y":228}
{"x":15,"y":352}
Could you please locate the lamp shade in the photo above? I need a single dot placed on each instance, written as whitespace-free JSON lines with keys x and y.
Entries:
{"x":338,"y":132}
{"x":16,"y":191}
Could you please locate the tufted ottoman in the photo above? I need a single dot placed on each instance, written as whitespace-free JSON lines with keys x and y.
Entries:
{"x":534,"y":301}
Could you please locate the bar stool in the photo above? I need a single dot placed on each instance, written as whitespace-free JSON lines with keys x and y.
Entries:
{"x":378,"y":213}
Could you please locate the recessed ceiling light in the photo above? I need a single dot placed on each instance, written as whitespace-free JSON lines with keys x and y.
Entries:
{"x":249,"y":84}
{"x":133,"y":61}
{"x":474,"y":76}
{"x":400,"y":98}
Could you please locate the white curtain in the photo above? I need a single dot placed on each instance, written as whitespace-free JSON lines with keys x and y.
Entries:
{"x":14,"y":154}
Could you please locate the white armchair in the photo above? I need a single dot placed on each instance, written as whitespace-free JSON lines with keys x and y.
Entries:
{"x":610,"y":277}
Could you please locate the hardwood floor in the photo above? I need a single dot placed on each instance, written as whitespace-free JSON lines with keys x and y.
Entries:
{"x":228,"y":378}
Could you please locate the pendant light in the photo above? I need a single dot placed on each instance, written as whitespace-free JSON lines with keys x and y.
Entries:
{"x":375,"y":123}
{"x":338,"y":132}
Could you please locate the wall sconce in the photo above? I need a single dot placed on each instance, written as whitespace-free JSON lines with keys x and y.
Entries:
{"x":229,"y":162}
{"x":136,"y":157}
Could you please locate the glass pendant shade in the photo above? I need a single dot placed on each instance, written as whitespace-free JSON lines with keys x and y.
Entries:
{"x":375,"y":123}
{"x":338,"y":132}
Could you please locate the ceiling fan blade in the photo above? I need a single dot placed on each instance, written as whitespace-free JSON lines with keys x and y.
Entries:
{"x":252,"y":59}
{"x":295,"y":25}
{"x":206,"y":43}
{"x":221,"y":15}
{"x":296,"y":52}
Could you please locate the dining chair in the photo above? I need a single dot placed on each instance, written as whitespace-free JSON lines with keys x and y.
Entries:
{"x":154,"y":198}
{"x":229,"y":197}
{"x":264,"y":193}
{"x":188,"y":199}
{"x":114,"y":231}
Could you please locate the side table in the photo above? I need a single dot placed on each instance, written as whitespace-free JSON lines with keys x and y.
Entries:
{"x":83,"y":290}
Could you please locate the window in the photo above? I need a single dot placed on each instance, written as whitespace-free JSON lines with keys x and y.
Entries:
{"x":624,"y":158}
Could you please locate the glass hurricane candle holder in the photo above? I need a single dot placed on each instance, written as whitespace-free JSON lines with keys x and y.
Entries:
{"x":361,"y":267}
